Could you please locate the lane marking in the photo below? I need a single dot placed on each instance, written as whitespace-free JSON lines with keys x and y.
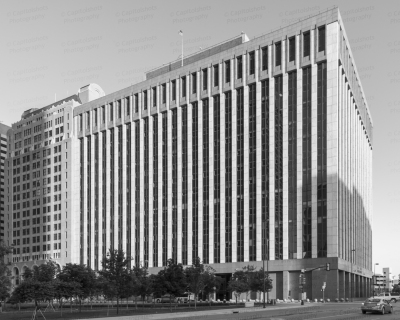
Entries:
{"x":336,"y":315}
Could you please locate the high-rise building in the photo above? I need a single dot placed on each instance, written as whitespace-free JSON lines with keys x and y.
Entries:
{"x":38,"y":182}
{"x":252,"y":150}
{"x":3,"y":154}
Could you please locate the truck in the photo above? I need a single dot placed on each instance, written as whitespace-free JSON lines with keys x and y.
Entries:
{"x":390,"y":296}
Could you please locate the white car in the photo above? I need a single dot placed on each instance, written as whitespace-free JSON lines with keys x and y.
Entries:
{"x":392,"y":297}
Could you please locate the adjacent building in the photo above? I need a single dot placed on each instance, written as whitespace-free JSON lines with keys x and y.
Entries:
{"x":379,"y":282}
{"x":38,"y":182}
{"x":3,"y":154}
{"x":252,"y":150}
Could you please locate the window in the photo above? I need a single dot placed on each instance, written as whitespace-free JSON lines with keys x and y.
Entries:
{"x":252,"y":61}
{"x":321,"y":39}
{"x":205,"y":79}
{"x":239,"y":67}
{"x":173,"y":90}
{"x":216,"y":75}
{"x":136,"y":103}
{"x":95,"y":117}
{"x":103,"y":111}
{"x":194,"y":82}
{"x":183,"y":87}
{"x":119,"y":107}
{"x":292,"y":49}
{"x":80,"y":126}
{"x":278,"y":54}
{"x":111,"y":112}
{"x":227,"y":71}
{"x":164,"y":93}
{"x":128,"y":106}
{"x":306,"y":44}
{"x":145,"y":100}
{"x":154,"y":92}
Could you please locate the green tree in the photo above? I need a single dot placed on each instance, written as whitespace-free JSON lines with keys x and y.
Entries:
{"x":45,"y":272}
{"x":140,"y":282}
{"x":38,"y":286}
{"x":84,"y":276}
{"x":212,"y":283}
{"x":115,"y":274}
{"x":65,"y":290}
{"x":154,"y":287}
{"x":172,"y":280}
{"x":240,"y":282}
{"x":195,"y":278}
{"x":5,"y":273}
{"x":201,"y":278}
{"x":256,"y":281}
{"x":396,"y":288}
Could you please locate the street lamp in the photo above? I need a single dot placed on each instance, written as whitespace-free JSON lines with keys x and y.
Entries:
{"x":374,"y":279}
{"x":264,"y":273}
{"x":351,"y":274}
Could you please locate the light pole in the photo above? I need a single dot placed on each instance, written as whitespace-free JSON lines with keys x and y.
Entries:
{"x":374,"y":279}
{"x":264,"y":272}
{"x":351,"y":274}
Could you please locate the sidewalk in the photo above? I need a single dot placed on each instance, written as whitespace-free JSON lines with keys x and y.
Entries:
{"x":203,"y":313}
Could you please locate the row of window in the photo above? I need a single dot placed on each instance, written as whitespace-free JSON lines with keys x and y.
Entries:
{"x":205,"y":79}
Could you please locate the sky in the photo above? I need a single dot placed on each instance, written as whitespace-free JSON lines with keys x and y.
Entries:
{"x":50,"y":49}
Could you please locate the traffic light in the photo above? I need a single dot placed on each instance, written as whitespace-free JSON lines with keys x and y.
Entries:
{"x":328,"y":267}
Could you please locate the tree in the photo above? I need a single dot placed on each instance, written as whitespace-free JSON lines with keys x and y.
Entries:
{"x":172,"y":280}
{"x":115,"y":274}
{"x":195,"y":278}
{"x":141,"y":282}
{"x":240,"y":282}
{"x":65,"y":290}
{"x":153,"y":284}
{"x":238,"y":286}
{"x":396,"y":288}
{"x":257,"y":281}
{"x":5,"y":273}
{"x":45,"y":272}
{"x":84,"y":276}
{"x":33,"y":290}
{"x":201,"y":278}
{"x":212,"y":283}
{"x":38,"y":286}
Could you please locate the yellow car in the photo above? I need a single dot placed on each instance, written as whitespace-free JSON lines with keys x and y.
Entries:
{"x":378,"y":305}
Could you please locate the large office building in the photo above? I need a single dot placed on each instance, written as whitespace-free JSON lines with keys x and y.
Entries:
{"x":251,"y":150}
{"x":3,"y":154}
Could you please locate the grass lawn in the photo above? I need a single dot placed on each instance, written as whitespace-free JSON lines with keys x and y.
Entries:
{"x":12,"y":313}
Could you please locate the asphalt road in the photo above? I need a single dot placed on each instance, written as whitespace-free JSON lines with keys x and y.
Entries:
{"x":328,"y":311}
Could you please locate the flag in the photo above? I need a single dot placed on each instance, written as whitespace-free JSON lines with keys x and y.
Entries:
{"x":180,"y":33}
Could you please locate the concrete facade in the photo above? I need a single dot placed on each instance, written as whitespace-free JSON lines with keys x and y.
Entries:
{"x":4,"y":218}
{"x":244,"y":96}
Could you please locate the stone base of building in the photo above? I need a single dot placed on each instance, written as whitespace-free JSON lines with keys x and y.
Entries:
{"x":285,"y":279}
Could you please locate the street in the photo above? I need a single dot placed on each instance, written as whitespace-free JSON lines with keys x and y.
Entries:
{"x":323,"y":311}
{"x":289,"y":311}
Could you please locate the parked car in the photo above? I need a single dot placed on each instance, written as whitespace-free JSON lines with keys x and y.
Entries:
{"x":378,"y":305}
{"x":166,"y":299}
{"x":393,"y":296}
{"x":181,"y":299}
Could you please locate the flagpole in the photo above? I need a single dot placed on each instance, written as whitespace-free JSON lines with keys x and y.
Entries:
{"x":182,"y":51}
